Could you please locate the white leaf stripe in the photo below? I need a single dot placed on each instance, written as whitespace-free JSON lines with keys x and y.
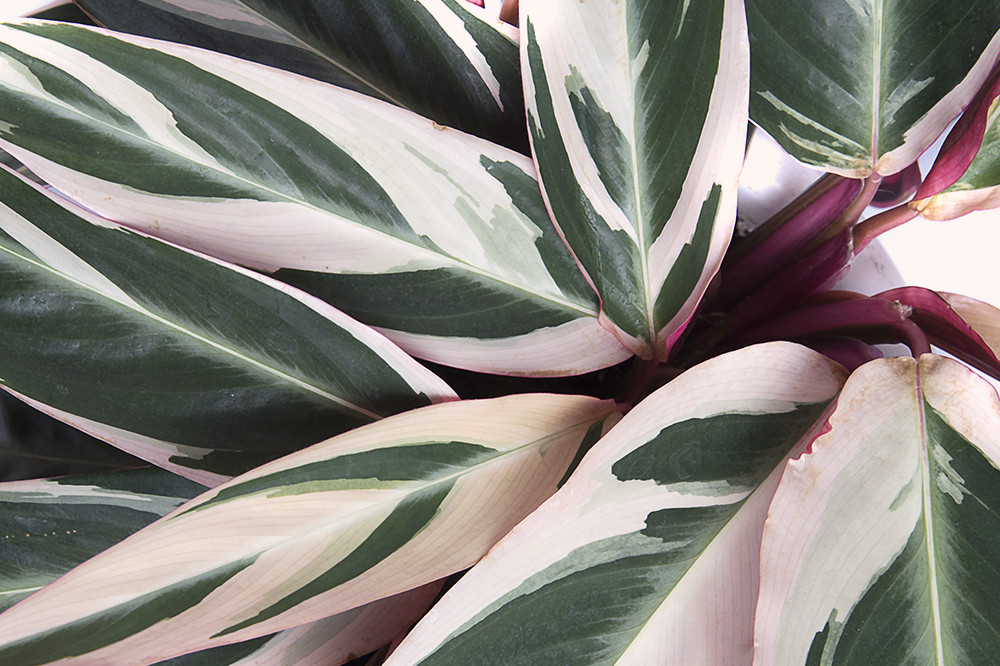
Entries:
{"x":342,"y":637}
{"x":83,"y":515}
{"x":879,"y":542}
{"x":884,"y":87}
{"x":223,"y":331}
{"x":169,"y":455}
{"x":445,"y":59}
{"x":48,"y":526}
{"x":495,"y":232}
{"x":651,"y":505}
{"x":288,"y":542}
{"x":609,"y":142}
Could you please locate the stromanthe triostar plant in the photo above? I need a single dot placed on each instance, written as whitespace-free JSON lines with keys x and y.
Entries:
{"x":399,"y":298}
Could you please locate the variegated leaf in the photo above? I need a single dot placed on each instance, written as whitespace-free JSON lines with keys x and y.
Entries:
{"x":371,"y":513}
{"x":648,"y":554}
{"x":978,"y":188}
{"x":637,"y":115}
{"x":439,"y":239}
{"x":881,"y":544}
{"x":195,"y":365}
{"x":49,"y":526}
{"x":327,"y":642}
{"x":448,"y":60}
{"x":855,"y":86}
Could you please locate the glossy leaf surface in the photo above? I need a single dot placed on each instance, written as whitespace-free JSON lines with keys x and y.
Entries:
{"x":881,"y":543}
{"x":855,"y":86}
{"x":637,"y":118}
{"x":648,"y":554}
{"x":377,"y":511}
{"x":195,"y":365}
{"x":444,"y":59}
{"x":439,"y":239}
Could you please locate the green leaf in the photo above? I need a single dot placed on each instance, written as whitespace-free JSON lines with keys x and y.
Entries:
{"x":371,"y":513}
{"x":881,"y":543}
{"x":444,"y":59}
{"x":49,"y":526}
{"x":330,"y":641}
{"x":648,"y":554}
{"x":637,"y":114}
{"x":859,"y":86}
{"x":437,"y":238}
{"x":34,"y":445}
{"x":198,"y":366}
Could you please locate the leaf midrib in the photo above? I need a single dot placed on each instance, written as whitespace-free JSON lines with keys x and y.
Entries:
{"x":396,"y":495}
{"x":199,"y":338}
{"x":306,"y":46}
{"x":640,"y":221}
{"x":928,"y":518}
{"x":252,"y":185}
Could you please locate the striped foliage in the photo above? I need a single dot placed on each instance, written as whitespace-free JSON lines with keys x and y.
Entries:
{"x":195,"y":365}
{"x":371,"y":513}
{"x":648,"y":554}
{"x":978,"y":188}
{"x":439,"y":239}
{"x":328,"y":642}
{"x":49,"y":526}
{"x":882,"y":544}
{"x":448,"y":60}
{"x":637,"y":116}
{"x":855,"y":86}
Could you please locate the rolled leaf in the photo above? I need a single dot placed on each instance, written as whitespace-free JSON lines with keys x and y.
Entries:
{"x":881,"y":542}
{"x":964,"y":140}
{"x":637,"y":118}
{"x":856,"y":87}
{"x":981,"y":316}
{"x":959,"y":325}
{"x":50,"y":526}
{"x":371,"y":513}
{"x":978,"y":188}
{"x":198,"y":366}
{"x":648,"y":554}
{"x":439,"y":239}
{"x":444,"y":59}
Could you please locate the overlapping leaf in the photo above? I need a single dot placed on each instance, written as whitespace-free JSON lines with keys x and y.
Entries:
{"x":853,"y":86}
{"x":445,"y":59}
{"x":637,"y":115}
{"x":49,"y":526}
{"x":881,"y":544}
{"x":648,"y":554}
{"x":382,"y":509}
{"x":195,"y":365}
{"x":439,"y":239}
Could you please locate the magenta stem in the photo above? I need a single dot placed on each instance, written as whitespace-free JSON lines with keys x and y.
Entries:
{"x":877,"y":225}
